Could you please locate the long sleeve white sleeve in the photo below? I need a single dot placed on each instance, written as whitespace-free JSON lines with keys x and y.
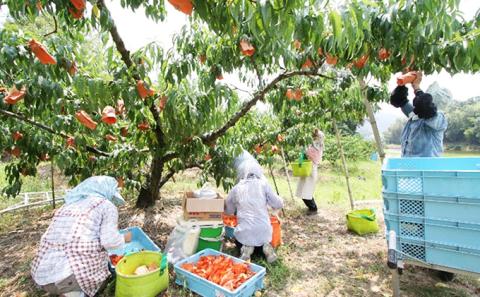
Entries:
{"x":110,"y":237}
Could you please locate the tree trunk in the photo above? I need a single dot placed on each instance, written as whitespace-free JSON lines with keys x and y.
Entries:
{"x":150,"y":191}
{"x":373,"y":122}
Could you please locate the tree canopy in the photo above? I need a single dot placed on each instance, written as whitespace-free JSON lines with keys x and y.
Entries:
{"x":171,"y":110}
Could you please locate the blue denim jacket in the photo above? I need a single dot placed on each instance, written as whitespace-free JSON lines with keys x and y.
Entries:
{"x":422,"y":137}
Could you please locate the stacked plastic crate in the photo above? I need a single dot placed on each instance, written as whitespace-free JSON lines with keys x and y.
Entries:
{"x":433,"y":205}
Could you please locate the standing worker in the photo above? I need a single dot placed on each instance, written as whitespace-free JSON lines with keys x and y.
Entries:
{"x":306,"y":185}
{"x":422,"y":136}
{"x":72,"y":258}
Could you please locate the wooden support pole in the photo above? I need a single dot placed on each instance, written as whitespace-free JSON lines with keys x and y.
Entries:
{"x":344,"y":162}
{"x":395,"y":283}
{"x":275,"y":183}
{"x":53,"y":182}
{"x":373,"y":122}
{"x":285,"y":165}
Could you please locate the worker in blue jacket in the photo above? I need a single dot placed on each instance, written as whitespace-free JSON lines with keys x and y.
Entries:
{"x":422,"y":136}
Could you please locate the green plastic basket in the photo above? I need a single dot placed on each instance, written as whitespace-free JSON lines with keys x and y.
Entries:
{"x":362,"y":221}
{"x":302,"y":169}
{"x":211,"y":231}
{"x":147,"y":285}
{"x":211,"y":237}
{"x":210,"y":243}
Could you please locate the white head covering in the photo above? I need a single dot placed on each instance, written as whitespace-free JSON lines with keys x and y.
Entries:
{"x":244,"y":160}
{"x":251,"y":169}
{"x":105,"y":187}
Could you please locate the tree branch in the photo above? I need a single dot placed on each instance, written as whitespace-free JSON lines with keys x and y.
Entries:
{"x":210,"y":137}
{"x":166,"y":178}
{"x":55,"y":29}
{"x":125,"y":54}
{"x":50,"y":130}
{"x":119,"y":44}
{"x":168,"y":157}
{"x":171,"y":172}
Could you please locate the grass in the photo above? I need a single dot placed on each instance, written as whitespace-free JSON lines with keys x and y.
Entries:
{"x":39,"y":183}
{"x":441,"y":290}
{"x":331,"y":188}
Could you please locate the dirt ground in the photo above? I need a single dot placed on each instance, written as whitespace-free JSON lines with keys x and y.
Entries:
{"x":319,"y":257}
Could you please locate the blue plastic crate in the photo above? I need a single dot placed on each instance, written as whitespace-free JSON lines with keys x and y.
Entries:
{"x":450,"y":233}
{"x":140,"y":241}
{"x":206,"y":288}
{"x":446,"y":177}
{"x":229,"y":232}
{"x":435,"y":207}
{"x":439,"y":254}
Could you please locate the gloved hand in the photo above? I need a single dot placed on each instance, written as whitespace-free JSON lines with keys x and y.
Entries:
{"x":423,"y":105}
{"x":398,"y":98}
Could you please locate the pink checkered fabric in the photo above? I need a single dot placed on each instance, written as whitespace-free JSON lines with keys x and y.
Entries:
{"x":315,"y":154}
{"x":77,"y":238}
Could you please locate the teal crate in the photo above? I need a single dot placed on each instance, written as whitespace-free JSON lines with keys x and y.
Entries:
{"x":206,"y":288}
{"x":446,"y":177}
{"x":435,"y":207}
{"x":140,"y":242}
{"x":450,"y":233}
{"x":439,"y":254}
{"x":229,"y":232}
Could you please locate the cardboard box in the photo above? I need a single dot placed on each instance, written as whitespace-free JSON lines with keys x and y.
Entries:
{"x":203,"y":209}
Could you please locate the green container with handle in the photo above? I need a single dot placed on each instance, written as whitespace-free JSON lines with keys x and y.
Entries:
{"x":362,"y":221}
{"x":146,"y":285}
{"x":302,"y":167}
{"x":211,"y":237}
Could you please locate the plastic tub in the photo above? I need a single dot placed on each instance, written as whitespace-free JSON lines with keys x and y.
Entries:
{"x":147,"y":285}
{"x":206,"y":288}
{"x":276,"y":231}
{"x":303,"y":169}
{"x":229,"y":232}
{"x":140,"y":242}
{"x":362,"y":221}
{"x":211,"y":231}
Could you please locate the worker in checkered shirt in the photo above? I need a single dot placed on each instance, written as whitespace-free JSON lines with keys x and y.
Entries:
{"x":72,"y":258}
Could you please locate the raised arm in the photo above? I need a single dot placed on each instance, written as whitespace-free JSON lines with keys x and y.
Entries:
{"x":398,"y":98}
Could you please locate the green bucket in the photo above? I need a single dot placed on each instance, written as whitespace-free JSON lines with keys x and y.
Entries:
{"x":302,"y":169}
{"x":211,"y":237}
{"x":210,"y":243}
{"x":147,"y":285}
{"x":211,"y":231}
{"x":362,"y":221}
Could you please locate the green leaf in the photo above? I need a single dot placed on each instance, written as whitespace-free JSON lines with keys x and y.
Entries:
{"x":336,"y":23}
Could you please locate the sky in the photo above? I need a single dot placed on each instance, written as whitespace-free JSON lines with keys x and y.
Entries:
{"x":137,"y":30}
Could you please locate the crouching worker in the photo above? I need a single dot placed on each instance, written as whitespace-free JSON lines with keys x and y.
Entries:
{"x":249,"y":200}
{"x":72,"y":258}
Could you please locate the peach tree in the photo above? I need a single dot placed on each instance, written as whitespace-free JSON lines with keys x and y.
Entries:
{"x":72,"y":91}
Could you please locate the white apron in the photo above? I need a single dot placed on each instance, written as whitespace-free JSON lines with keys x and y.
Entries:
{"x":306,"y":185}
